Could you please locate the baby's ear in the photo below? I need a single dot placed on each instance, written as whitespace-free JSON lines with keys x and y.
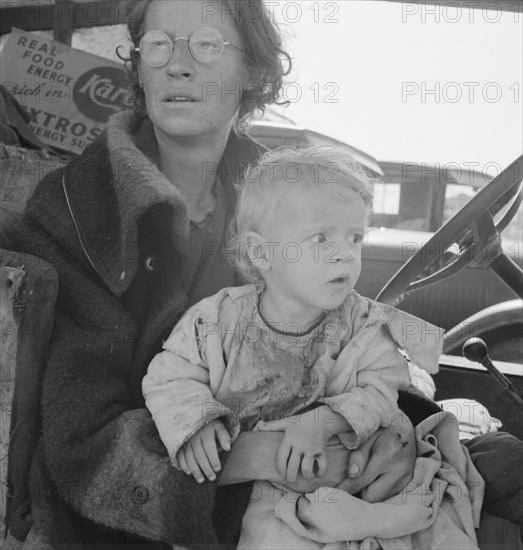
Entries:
{"x":257,"y":251}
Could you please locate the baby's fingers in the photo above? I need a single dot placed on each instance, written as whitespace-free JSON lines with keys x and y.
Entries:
{"x":307,"y":466}
{"x":321,"y":465}
{"x":283,"y":457}
{"x":293,"y":466}
{"x":182,"y":462}
{"x":211,"y":452}
{"x":193,"y":466}
{"x":202,"y":460}
{"x":223,"y":437}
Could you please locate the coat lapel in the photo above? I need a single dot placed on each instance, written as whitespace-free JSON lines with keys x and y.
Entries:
{"x":108,"y":215}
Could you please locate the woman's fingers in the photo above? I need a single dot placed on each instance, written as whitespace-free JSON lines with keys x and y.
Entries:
{"x":358,"y":462}
{"x":302,"y":508}
{"x":365,"y":465}
{"x":385,"y":486}
{"x":388,"y":457}
{"x":379,"y":489}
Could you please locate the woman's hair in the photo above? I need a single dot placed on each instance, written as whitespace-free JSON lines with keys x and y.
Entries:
{"x":266,"y":183}
{"x":262,"y":44}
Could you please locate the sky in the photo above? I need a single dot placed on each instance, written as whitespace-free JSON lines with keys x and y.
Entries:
{"x":406,"y":82}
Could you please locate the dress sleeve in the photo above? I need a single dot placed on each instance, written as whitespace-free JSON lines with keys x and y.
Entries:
{"x":177,"y":387}
{"x":365,"y":392}
{"x":363,"y":385}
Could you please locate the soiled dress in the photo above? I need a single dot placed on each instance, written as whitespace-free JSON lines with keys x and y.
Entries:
{"x":223,"y":360}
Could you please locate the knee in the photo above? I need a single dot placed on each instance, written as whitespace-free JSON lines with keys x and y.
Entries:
{"x":498,"y":457}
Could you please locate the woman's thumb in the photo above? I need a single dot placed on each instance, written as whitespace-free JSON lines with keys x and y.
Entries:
{"x":359,"y":458}
{"x":358,"y":461}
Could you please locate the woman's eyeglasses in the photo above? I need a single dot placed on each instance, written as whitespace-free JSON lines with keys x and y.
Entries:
{"x":205,"y":44}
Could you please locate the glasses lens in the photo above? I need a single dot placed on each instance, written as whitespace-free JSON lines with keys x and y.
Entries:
{"x":156,"y":48}
{"x":206,"y":44}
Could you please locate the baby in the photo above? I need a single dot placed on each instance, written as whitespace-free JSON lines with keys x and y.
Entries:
{"x":297,"y":342}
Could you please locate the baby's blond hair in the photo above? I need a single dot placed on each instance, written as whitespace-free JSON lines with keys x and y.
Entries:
{"x":266,"y":182}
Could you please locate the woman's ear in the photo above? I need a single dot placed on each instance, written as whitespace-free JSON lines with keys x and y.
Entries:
{"x":253,"y":84}
{"x":257,"y":251}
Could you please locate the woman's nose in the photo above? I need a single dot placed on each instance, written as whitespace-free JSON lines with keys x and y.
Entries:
{"x":181,"y":61}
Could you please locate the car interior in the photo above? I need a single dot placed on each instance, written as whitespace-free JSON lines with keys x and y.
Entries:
{"x":483,"y":347}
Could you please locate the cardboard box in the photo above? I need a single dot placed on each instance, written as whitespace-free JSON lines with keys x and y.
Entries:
{"x":69,"y":93}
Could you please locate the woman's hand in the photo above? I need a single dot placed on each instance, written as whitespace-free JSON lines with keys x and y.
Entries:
{"x":378,"y":469}
{"x":383,"y":464}
{"x":253,"y":456}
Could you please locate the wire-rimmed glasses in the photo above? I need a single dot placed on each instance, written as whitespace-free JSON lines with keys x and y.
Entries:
{"x":206,"y":45}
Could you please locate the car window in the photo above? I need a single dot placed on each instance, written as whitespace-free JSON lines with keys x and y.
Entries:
{"x":406,"y":205}
{"x":514,"y":232}
{"x":386,"y":198}
{"x":456,"y":196}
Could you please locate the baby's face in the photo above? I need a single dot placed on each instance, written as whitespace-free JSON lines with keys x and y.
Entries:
{"x":317,"y":255}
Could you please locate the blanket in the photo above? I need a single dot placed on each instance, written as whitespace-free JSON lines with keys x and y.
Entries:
{"x":440,"y":507}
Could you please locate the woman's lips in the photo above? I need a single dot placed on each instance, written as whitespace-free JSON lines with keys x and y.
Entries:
{"x":180,"y":100}
{"x":181,"y":97}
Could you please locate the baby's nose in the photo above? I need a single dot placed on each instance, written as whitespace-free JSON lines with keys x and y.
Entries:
{"x":344,"y":252}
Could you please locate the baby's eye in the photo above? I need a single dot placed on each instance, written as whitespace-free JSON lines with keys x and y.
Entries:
{"x":319,"y":238}
{"x":357,"y":238}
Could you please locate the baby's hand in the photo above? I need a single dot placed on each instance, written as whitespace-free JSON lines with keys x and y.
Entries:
{"x":199,"y":455}
{"x":303,"y":445}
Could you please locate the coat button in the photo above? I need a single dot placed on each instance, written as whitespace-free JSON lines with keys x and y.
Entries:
{"x":152,"y":263}
{"x":140,"y":495}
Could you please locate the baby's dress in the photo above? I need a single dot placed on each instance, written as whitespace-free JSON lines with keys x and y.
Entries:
{"x":223,"y":361}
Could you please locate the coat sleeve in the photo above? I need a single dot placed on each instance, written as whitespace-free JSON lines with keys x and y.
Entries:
{"x":177,"y":385}
{"x":101,"y":453}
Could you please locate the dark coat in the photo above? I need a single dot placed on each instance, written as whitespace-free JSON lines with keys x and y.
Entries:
{"x":115,"y":230}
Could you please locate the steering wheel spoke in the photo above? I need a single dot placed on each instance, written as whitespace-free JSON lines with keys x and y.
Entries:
{"x":510,"y":213}
{"x":472,"y":229}
{"x":443,"y":272}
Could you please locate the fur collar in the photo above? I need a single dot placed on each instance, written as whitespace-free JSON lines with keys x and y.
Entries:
{"x":107,"y":215}
{"x":137,"y":181}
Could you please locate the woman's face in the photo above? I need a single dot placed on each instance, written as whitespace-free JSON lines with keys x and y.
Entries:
{"x":214,"y":89}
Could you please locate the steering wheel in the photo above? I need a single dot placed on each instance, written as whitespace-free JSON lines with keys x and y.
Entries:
{"x":476,"y":236}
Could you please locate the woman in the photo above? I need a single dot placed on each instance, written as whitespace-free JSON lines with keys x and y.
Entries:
{"x":125,"y":225}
